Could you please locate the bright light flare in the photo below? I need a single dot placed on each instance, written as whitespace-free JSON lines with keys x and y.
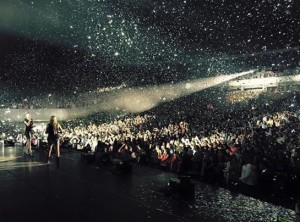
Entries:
{"x":136,"y":100}
{"x":128,"y":100}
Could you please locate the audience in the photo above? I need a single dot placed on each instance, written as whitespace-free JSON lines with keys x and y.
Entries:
{"x":234,"y":146}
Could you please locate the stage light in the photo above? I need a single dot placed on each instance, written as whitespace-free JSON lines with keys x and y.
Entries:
{"x":128,"y":99}
{"x":140,"y":99}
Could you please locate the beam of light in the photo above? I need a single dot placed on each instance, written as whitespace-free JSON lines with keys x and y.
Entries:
{"x":141,"y":99}
{"x":6,"y":159}
{"x":129,"y":100}
{"x":17,"y":165}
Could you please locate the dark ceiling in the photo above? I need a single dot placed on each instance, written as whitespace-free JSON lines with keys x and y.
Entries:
{"x":63,"y":45}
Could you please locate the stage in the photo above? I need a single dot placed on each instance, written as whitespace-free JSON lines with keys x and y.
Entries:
{"x":77,"y":191}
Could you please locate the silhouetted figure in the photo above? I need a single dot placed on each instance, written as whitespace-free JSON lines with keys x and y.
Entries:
{"x":53,"y":130}
{"x":28,"y":121}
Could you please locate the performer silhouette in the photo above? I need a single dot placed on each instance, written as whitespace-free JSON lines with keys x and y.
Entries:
{"x":53,"y":130}
{"x":28,"y":121}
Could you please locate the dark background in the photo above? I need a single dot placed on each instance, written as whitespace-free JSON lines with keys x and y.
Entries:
{"x":62,"y":46}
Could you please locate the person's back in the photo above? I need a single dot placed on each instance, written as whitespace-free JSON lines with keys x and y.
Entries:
{"x":53,"y":129}
{"x":197,"y":159}
{"x":29,"y":126}
{"x":50,"y":132}
{"x":249,"y":175}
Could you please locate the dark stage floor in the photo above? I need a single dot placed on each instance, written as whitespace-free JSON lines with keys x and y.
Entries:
{"x":32,"y":191}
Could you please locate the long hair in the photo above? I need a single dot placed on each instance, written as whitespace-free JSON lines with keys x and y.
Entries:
{"x":53,"y":122}
{"x":28,"y":116}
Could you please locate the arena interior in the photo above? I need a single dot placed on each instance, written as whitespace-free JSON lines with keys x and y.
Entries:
{"x":178,"y":110}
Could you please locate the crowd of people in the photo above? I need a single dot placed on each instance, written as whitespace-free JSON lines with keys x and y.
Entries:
{"x":254,"y":148}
